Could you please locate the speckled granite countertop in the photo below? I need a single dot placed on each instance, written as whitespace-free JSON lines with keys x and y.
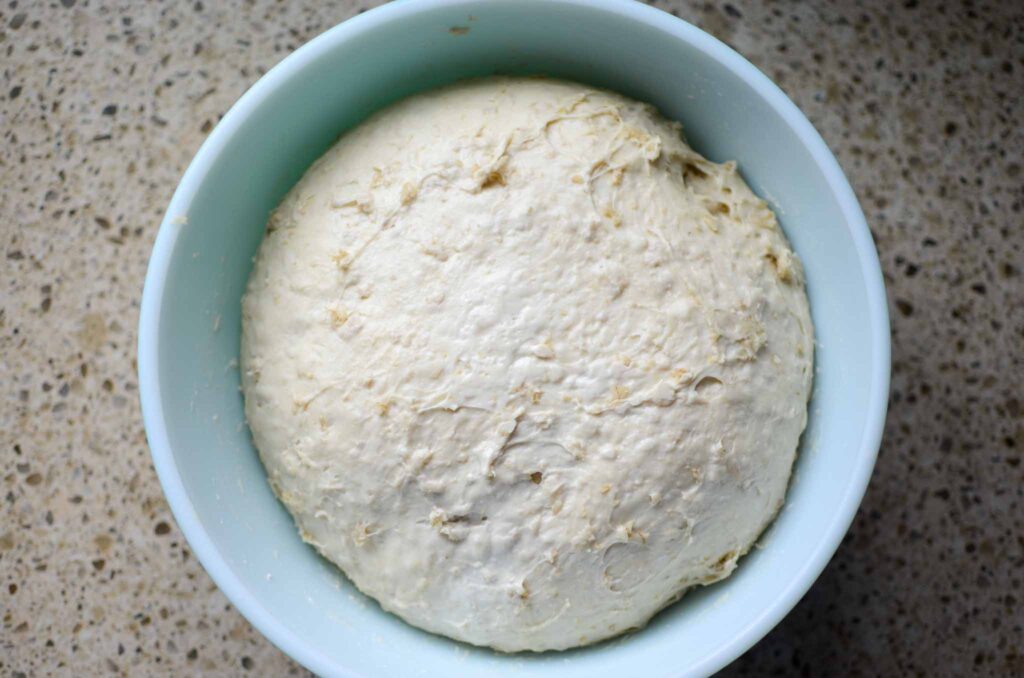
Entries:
{"x":101,"y":108}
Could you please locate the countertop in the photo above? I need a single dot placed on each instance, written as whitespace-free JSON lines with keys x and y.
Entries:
{"x":101,"y":108}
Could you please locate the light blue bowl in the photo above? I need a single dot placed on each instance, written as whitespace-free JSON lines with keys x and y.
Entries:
{"x":189,"y":329}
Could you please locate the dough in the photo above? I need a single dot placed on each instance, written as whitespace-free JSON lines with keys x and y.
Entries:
{"x":523,"y":364}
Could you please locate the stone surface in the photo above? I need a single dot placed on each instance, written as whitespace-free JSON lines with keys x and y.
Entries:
{"x":101,"y":108}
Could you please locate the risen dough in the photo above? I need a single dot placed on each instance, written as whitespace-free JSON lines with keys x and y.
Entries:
{"x":523,"y":364}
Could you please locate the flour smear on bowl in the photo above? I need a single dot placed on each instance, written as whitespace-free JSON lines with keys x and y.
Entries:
{"x":523,"y":364}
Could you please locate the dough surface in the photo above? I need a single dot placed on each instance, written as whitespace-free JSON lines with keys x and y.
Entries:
{"x":523,"y":364}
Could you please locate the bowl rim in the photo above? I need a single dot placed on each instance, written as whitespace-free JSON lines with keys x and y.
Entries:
{"x":208,"y":553}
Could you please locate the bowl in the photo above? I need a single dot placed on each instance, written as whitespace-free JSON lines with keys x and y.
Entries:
{"x":190,"y":321}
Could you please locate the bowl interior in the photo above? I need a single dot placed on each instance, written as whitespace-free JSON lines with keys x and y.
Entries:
{"x":190,"y":323}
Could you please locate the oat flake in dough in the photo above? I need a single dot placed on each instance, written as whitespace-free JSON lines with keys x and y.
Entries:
{"x":523,"y":364}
